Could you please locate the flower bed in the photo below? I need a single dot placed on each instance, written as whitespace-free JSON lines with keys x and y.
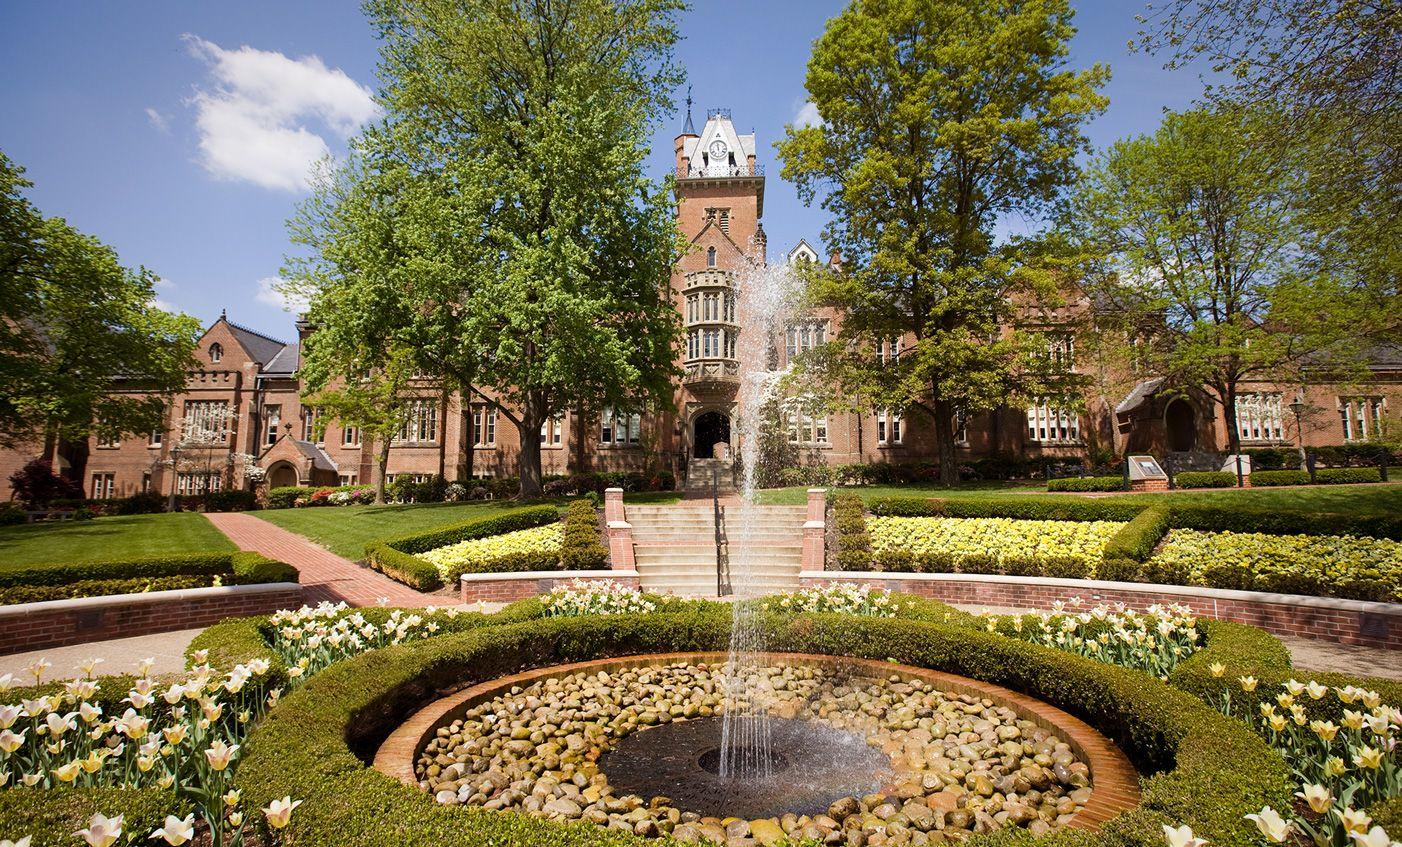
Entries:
{"x":62,"y":581}
{"x":1331,"y":565}
{"x":595,"y":598}
{"x":397,"y":557}
{"x":990,"y":545}
{"x":534,"y":549}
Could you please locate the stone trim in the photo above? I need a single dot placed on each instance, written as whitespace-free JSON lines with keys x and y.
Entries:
{"x":58,"y":623}
{"x":1357,"y":622}
{"x":522,"y":585}
{"x":1115,"y":783}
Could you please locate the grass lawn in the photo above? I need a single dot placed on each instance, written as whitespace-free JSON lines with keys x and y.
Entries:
{"x":345,"y":530}
{"x":1356,"y":499}
{"x":101,"y":539}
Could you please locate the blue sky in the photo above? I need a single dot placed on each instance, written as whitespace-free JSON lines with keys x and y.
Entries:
{"x":175,"y":131}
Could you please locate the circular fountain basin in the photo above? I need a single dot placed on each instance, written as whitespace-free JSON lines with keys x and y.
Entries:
{"x":670,"y":767}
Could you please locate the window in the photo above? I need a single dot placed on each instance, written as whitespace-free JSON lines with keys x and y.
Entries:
{"x":1362,"y":417}
{"x":108,"y":440}
{"x":552,"y":431}
{"x":484,"y":427}
{"x":961,"y":428}
{"x":693,"y":344}
{"x":103,"y":486}
{"x":1052,"y":424}
{"x":1258,"y":416}
{"x":309,"y":426}
{"x":619,"y":427}
{"x":155,"y":438}
{"x":350,"y":436}
{"x":804,"y":427}
{"x":146,"y":482}
{"x":710,"y":306}
{"x":806,"y":336}
{"x":272,"y":420}
{"x":201,"y":482}
{"x":206,"y":421}
{"x":350,"y":479}
{"x":729,"y":315}
{"x":888,"y":350}
{"x":692,"y":301}
{"x":421,"y":427}
{"x":888,"y":427}
{"x":710,"y":257}
{"x":216,"y":352}
{"x":1062,"y":352}
{"x":729,"y":336}
{"x":710,"y":343}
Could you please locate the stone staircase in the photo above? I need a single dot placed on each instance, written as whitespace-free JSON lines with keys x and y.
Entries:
{"x":675,"y":548}
{"x":698,"y":477}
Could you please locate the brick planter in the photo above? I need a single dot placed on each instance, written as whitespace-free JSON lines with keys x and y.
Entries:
{"x":1324,"y":618}
{"x":57,"y":623}
{"x":509,"y":587}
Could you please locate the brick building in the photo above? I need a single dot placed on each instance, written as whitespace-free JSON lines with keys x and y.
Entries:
{"x":243,"y":406}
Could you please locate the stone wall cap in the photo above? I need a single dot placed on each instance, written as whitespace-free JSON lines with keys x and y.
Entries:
{"x":1092,"y":585}
{"x":522,"y":576}
{"x":77,"y":604}
{"x":815,"y":525}
{"x":619,"y":525}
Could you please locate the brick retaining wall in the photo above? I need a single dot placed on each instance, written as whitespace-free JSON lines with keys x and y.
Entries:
{"x":58,"y":623}
{"x":510,"y":587}
{"x":1325,"y":618}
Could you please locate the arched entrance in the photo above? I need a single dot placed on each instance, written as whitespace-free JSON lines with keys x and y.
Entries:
{"x":1181,"y":422}
{"x":282,"y":475}
{"x":709,"y":429}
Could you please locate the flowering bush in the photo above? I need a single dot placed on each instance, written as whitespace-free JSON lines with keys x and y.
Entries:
{"x":1339,"y":565}
{"x":313,"y":638}
{"x":1154,"y":641}
{"x":1001,"y":538}
{"x":581,"y":597}
{"x":844,"y":598}
{"x":524,"y":549}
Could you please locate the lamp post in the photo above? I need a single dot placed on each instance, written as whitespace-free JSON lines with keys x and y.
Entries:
{"x":1298,"y":407}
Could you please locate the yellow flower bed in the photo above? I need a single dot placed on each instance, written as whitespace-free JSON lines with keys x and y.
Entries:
{"x":997,"y":537}
{"x":1326,"y":561}
{"x":522,"y":550}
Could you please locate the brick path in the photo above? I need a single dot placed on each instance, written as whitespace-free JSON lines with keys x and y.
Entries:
{"x":325,"y":576}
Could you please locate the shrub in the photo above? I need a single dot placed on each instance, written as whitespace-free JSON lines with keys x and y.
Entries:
{"x":850,"y":527}
{"x":1205,"y":479}
{"x":1087,"y":483}
{"x":1347,"y":476}
{"x":285,"y":497}
{"x":1002,"y":538}
{"x":581,"y":547}
{"x":1275,"y":522}
{"x":1239,"y":560}
{"x":146,"y":503}
{"x":1066,"y":567}
{"x":1119,"y":569}
{"x":11,"y":515}
{"x":1137,"y":539}
{"x":1267,"y":479}
{"x":231,"y":500}
{"x":99,"y":588}
{"x":395,"y":557}
{"x":906,"y":507}
{"x":37,"y":485}
{"x":1022,"y":566}
{"x":61,"y":581}
{"x":938,"y":561}
{"x":896,"y":561}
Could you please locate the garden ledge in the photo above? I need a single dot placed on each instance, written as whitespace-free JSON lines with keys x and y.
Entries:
{"x":57,"y":623}
{"x":508,"y":587}
{"x":1342,"y":621}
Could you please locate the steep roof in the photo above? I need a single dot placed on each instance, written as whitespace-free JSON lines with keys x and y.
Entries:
{"x":285,"y":362}
{"x":261,"y":347}
{"x":320,"y":460}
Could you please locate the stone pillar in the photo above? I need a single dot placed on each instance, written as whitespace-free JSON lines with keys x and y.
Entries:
{"x":815,"y":530}
{"x":619,"y":530}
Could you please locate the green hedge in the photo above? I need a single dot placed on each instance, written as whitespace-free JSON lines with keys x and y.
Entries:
{"x":1276,"y":522}
{"x":850,"y":527}
{"x":1347,"y":476}
{"x":1268,"y":479}
{"x":1208,"y":770}
{"x":63,"y":580}
{"x":1033,"y":507}
{"x":394,"y":557}
{"x":1138,"y":538}
{"x":99,"y":588}
{"x":1087,"y":483}
{"x":581,"y":546}
{"x":1205,"y":479}
{"x":50,"y":817}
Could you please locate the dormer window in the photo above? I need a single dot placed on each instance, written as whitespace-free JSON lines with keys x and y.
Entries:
{"x":710,"y":257}
{"x":216,"y":352}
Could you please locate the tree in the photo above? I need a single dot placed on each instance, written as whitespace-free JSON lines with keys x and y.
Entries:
{"x":1201,"y":260}
{"x":527,"y":125}
{"x":83,"y":348}
{"x":938,"y":118}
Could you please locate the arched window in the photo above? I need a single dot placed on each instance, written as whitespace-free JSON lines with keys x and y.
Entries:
{"x":710,"y":257}
{"x":216,"y":352}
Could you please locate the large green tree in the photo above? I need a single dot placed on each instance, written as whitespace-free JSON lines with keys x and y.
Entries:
{"x":939,"y":118}
{"x":1201,"y":253}
{"x":83,"y":348}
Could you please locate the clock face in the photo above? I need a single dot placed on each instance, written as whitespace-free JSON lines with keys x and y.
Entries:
{"x":718,"y":150}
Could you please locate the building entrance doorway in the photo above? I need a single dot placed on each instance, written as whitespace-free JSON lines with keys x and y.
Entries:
{"x":710,"y":429}
{"x":282,"y":474}
{"x":1181,"y":422}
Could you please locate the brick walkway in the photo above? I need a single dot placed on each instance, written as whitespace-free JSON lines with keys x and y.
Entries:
{"x":325,"y":576}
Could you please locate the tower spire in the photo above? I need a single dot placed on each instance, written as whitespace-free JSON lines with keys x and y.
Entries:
{"x":689,"y":128}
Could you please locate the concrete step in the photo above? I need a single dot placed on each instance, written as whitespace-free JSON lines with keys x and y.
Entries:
{"x":707,"y":537}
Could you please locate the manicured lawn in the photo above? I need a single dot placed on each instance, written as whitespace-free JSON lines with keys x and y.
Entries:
{"x":1358,"y":499}
{"x":121,"y":537}
{"x":345,"y":530}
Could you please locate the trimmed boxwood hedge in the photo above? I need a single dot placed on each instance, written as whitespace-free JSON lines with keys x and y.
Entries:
{"x":1205,"y":479}
{"x":1267,"y":479}
{"x":62,"y":580}
{"x":1347,"y":476}
{"x":1087,"y":483}
{"x":581,"y":546}
{"x":1208,"y":770}
{"x":394,"y":557}
{"x":850,"y":528}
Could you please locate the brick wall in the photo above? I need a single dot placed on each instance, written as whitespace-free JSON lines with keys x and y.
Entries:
{"x":510,"y":587}
{"x":56,"y":623}
{"x":1326,"y":619}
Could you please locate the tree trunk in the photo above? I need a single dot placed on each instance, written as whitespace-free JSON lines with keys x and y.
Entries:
{"x":381,"y":464}
{"x":1229,"y":416}
{"x":443,"y":435}
{"x":470,"y":451}
{"x":529,"y":459}
{"x":944,"y":441}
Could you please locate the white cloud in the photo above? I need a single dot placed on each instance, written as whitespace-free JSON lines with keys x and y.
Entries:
{"x":164,"y":305}
{"x":268,"y":293}
{"x":158,"y":120}
{"x":266,"y":117}
{"x":807,"y":115}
